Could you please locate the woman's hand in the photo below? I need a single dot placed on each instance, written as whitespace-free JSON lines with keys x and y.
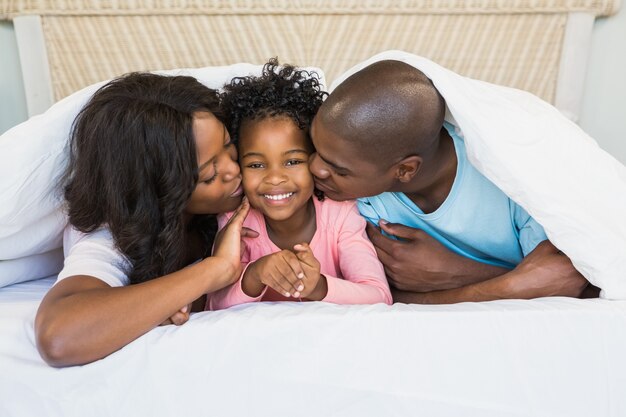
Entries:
{"x":228,"y":243}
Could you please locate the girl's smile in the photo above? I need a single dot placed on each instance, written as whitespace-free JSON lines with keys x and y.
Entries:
{"x":274,"y":161}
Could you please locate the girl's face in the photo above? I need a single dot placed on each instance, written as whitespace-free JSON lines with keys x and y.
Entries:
{"x":219,"y":179}
{"x":274,"y":163}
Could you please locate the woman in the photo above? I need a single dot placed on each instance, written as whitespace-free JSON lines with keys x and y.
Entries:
{"x":151,"y":163}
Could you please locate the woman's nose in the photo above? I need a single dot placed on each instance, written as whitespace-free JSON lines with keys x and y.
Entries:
{"x":317,"y":166}
{"x":231,"y":168}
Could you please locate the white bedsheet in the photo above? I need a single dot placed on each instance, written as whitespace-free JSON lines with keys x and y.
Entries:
{"x":548,"y":357}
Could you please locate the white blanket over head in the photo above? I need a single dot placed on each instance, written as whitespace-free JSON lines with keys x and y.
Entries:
{"x":544,"y":162}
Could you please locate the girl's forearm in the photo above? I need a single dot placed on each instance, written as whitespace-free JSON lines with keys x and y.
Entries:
{"x":251,"y":283}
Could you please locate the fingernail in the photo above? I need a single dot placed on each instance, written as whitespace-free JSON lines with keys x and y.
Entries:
{"x":300,"y":275}
{"x":300,"y":288}
{"x":383,"y":221}
{"x":296,"y":294}
{"x":184,"y":309}
{"x":287,"y":294}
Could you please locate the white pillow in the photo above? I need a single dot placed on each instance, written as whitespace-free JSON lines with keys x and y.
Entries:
{"x":32,"y":267}
{"x":33,"y":154}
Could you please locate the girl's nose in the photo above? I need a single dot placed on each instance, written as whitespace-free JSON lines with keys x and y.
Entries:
{"x":275,"y":177}
{"x":317,"y":166}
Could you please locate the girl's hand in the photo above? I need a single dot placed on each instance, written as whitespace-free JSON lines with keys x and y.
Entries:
{"x":228,"y":244}
{"x":280,"y":271}
{"x":315,"y":284}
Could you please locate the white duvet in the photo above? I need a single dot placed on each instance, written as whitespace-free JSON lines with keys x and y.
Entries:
{"x":510,"y":358}
{"x":545,"y":163}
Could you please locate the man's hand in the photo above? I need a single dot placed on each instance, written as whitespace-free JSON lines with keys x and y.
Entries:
{"x":419,"y":263}
{"x":545,"y":272}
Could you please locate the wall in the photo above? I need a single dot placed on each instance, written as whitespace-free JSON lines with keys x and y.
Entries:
{"x":12,"y":100}
{"x":603,"y":114}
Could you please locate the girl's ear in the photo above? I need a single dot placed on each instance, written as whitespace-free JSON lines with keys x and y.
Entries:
{"x":407,"y":168}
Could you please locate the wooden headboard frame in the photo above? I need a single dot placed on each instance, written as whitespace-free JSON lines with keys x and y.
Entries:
{"x":537,"y":45}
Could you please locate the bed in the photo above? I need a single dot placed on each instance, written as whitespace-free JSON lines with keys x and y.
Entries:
{"x":546,"y":357}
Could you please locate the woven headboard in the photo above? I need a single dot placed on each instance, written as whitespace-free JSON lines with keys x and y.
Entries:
{"x":537,"y":45}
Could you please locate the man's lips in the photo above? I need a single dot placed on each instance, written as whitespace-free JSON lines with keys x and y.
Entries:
{"x":323,"y":188}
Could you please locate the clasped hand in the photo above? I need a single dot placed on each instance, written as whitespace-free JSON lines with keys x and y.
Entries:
{"x":290,"y":273}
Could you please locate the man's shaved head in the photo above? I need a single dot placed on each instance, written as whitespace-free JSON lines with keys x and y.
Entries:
{"x":388,"y":110}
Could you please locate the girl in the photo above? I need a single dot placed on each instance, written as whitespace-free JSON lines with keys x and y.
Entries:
{"x":308,"y":248}
{"x":150,"y":159}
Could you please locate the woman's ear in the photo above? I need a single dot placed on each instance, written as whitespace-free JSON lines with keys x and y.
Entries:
{"x":408,"y":167}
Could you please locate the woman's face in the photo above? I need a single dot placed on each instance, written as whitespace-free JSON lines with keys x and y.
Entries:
{"x":219,"y":179}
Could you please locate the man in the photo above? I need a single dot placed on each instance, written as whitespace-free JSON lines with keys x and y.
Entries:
{"x":381,"y":137}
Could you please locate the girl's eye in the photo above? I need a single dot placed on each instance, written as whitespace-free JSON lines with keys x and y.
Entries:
{"x":255,"y":165}
{"x":292,"y":162}
{"x":339,"y":174}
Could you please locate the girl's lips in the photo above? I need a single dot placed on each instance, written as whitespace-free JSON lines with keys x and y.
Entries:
{"x":278,"y":199}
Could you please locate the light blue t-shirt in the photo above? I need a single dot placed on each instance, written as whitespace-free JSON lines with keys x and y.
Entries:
{"x":476,"y":220}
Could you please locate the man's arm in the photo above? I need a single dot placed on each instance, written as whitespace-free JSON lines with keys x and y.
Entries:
{"x":419,"y":263}
{"x":544,"y":272}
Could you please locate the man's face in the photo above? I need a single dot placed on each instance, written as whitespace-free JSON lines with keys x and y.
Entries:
{"x":340,"y":172}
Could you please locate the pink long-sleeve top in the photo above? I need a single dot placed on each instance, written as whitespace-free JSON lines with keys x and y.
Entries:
{"x":347,"y":258}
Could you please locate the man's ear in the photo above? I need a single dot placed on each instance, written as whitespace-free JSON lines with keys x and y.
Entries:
{"x":408,"y":167}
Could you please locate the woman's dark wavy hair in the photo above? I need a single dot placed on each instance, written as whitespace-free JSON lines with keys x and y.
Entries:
{"x":279,"y":91}
{"x":133,"y":166}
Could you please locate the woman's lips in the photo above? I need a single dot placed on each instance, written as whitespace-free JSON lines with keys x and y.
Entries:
{"x":238,"y":191}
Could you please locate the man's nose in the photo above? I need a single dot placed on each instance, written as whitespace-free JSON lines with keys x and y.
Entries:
{"x":317,"y":166}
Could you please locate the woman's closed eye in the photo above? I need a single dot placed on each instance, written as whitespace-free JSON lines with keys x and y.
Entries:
{"x":210,"y":180}
{"x":212,"y":177}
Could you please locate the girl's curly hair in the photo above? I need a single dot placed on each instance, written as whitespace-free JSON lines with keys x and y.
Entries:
{"x":133,"y":167}
{"x":278,"y":91}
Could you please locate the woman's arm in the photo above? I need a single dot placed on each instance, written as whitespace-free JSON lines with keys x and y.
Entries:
{"x":234,"y":294}
{"x":83,"y":319}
